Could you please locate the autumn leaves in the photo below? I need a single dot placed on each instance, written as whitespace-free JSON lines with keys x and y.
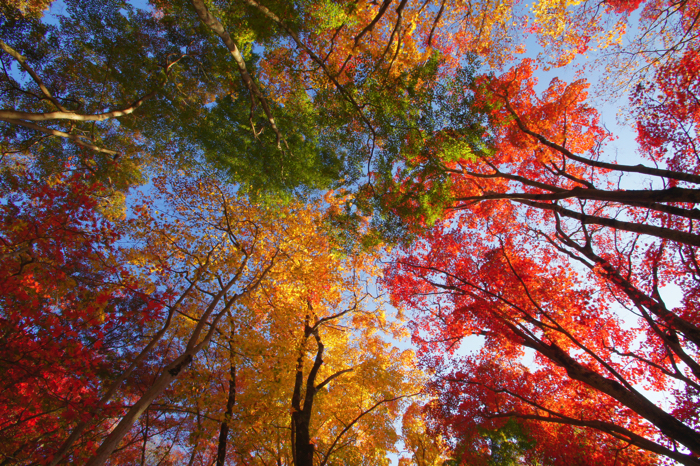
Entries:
{"x":540,"y":248}
{"x":210,"y":315}
{"x":195,"y":196}
{"x":260,"y":293}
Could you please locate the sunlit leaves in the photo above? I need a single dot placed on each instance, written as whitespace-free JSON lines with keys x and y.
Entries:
{"x":68,"y":310}
{"x":505,"y":264}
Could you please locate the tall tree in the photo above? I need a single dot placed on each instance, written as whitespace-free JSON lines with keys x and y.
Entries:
{"x":70,"y":313}
{"x":215,"y":248}
{"x":540,"y":241}
{"x":334,"y":393}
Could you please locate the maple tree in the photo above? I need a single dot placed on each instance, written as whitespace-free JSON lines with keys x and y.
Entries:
{"x":538,"y":242}
{"x":315,"y":60}
{"x":327,"y":394}
{"x":67,"y":310}
{"x":29,"y":7}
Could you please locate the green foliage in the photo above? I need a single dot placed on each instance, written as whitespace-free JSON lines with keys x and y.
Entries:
{"x":504,"y":446}
{"x":412,"y":186}
{"x":330,"y":15}
{"x":104,"y":55}
{"x":256,"y":162}
{"x":507,"y":444}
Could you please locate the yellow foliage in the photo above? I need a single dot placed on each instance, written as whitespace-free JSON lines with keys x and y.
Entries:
{"x":288,"y":277}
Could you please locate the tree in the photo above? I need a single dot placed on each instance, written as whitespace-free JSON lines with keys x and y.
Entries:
{"x":69,"y":310}
{"x":506,"y":446}
{"x":539,"y":241}
{"x":105,"y":84}
{"x":234,"y":281}
{"x":287,"y":349}
{"x":215,"y":249}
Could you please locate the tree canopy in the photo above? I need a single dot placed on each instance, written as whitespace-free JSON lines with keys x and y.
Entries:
{"x":222,"y":220}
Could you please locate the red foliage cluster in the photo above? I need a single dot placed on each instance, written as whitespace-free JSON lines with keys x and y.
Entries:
{"x":668,"y":113}
{"x":624,"y":6}
{"x":540,"y":249}
{"x":65,"y":310}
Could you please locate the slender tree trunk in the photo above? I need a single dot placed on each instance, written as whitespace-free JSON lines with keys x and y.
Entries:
{"x":162,"y":382}
{"x":226,"y":424}
{"x":77,"y":432}
{"x":169,"y":373}
{"x":145,"y":442}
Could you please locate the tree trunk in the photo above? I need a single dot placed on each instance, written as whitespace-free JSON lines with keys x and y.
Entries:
{"x":226,"y":424}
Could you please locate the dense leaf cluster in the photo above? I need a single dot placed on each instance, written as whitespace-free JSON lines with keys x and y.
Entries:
{"x":196,"y":197}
